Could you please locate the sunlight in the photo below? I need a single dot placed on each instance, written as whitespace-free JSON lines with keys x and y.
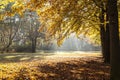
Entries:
{"x":10,"y":57}
{"x":25,"y":58}
{"x":59,"y":39}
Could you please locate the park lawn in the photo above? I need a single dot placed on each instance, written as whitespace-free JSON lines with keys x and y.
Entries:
{"x":53,"y":66}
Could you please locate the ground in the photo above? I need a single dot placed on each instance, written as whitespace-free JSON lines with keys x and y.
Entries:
{"x":53,"y":66}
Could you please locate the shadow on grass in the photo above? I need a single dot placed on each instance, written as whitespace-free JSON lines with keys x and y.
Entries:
{"x":68,"y":70}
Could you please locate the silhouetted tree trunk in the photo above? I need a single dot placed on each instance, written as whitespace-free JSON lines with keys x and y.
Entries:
{"x":107,"y":40}
{"x":104,"y":33}
{"x":34,"y":45}
{"x":114,"y":40}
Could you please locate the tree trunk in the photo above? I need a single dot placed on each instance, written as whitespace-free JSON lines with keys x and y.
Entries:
{"x":104,"y":33}
{"x":107,"y":41}
{"x":107,"y":45}
{"x":6,"y":48}
{"x":114,"y":40}
{"x":33,"y":45}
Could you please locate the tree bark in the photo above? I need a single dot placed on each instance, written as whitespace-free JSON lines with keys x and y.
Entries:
{"x":114,"y":40}
{"x":33,"y":45}
{"x":104,"y":33}
{"x":107,"y":40}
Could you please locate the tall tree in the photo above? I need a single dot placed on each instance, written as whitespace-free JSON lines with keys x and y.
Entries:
{"x":114,"y":39}
{"x":8,"y":31}
{"x":104,"y":29}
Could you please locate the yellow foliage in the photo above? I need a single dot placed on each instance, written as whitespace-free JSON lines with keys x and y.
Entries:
{"x":1,"y":17}
{"x":60,"y":41}
{"x":61,"y":17}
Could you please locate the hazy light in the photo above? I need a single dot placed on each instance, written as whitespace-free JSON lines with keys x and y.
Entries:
{"x":25,"y":58}
{"x":16,"y":19}
{"x":10,"y":57}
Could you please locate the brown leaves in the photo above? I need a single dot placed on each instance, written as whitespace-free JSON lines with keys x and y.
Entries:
{"x":58,"y":68}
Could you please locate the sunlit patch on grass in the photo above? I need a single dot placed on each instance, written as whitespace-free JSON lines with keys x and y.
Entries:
{"x":9,"y":57}
{"x":37,"y":56}
{"x":25,"y":58}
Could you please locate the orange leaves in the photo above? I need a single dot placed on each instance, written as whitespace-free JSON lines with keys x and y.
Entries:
{"x":56,"y":11}
{"x":36,"y":4}
{"x":62,"y":66}
{"x":60,"y":41}
{"x":18,"y":7}
{"x":9,"y":14}
{"x":3,"y":4}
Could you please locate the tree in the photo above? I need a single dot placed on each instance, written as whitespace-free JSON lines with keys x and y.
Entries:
{"x":67,"y":19}
{"x":66,"y":14}
{"x":104,"y":29}
{"x":76,"y":16}
{"x":8,"y":30}
{"x":114,"y":39}
{"x":28,"y":32}
{"x":33,"y":33}
{"x":9,"y":26}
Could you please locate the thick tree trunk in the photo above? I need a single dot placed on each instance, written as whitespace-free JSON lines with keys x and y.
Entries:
{"x":104,"y":33}
{"x":107,"y":44}
{"x":107,"y":39}
{"x":114,"y":40}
